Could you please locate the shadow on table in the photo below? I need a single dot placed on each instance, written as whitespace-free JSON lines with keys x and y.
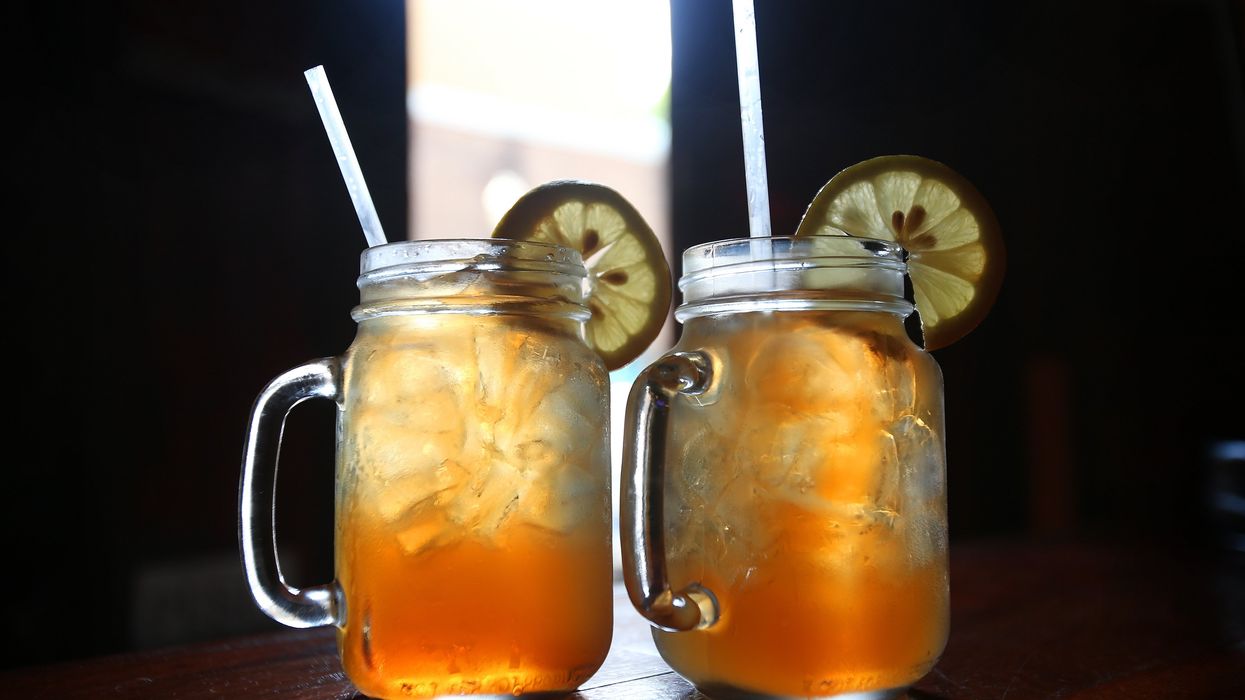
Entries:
{"x":694,"y":694}
{"x":923,"y":695}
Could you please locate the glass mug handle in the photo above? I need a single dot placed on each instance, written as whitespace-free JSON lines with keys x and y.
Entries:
{"x":642,"y":526}
{"x":306,"y":607}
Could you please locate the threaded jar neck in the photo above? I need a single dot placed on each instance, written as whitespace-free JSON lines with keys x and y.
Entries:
{"x":785,"y":273}
{"x":472,"y":276}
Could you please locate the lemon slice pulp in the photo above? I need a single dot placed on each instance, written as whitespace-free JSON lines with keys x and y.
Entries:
{"x":956,"y":256}
{"x":629,"y":278}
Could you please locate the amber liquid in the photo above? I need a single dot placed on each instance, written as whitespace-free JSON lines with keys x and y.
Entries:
{"x":796,"y":630}
{"x":513,"y":615}
{"x":473,"y":528}
{"x":808,"y":497}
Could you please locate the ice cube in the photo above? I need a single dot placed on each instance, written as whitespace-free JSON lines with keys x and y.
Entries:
{"x":499,"y":377}
{"x":401,"y":369}
{"x":554,"y":450}
{"x":450,"y":478}
{"x":921,"y":459}
{"x":383,"y":451}
{"x":923,"y":487}
{"x":710,"y":461}
{"x":742,"y":527}
{"x":404,"y":407}
{"x":698,"y":452}
{"x":813,"y":370}
{"x":538,"y":456}
{"x":895,"y":393}
{"x":492,"y":493}
{"x":388,"y":446}
{"x":885,"y":498}
{"x":530,"y":389}
{"x":559,"y":500}
{"x":573,"y":400}
{"x":850,"y":468}
{"x":426,"y":528}
{"x":395,"y":499}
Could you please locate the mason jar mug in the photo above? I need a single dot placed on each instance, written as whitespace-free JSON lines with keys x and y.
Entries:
{"x":783,"y":500}
{"x":472,"y":479}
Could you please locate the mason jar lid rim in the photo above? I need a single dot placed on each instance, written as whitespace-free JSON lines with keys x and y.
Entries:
{"x":804,"y":264}
{"x":735,"y":251}
{"x":443,"y":253}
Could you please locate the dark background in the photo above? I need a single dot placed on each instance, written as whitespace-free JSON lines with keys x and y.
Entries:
{"x":178,"y":234}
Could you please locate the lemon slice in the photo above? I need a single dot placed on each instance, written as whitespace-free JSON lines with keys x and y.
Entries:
{"x":956,"y":255}
{"x":629,"y":292}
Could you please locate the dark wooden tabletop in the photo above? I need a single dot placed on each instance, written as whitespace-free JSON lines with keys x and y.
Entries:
{"x":1028,"y":621}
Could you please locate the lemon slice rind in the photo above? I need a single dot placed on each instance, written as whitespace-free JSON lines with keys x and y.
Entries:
{"x":629,"y":277}
{"x":956,"y":255}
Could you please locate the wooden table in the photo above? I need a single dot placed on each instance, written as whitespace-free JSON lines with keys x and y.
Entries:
{"x":1028,"y":621}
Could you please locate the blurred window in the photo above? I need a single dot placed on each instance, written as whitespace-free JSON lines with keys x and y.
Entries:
{"x":503,"y":96}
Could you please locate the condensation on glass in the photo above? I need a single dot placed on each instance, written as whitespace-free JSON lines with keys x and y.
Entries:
{"x":783,"y":496}
{"x":473,"y":478}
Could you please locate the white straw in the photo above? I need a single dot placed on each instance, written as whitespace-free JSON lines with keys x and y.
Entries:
{"x":755,"y":177}
{"x":346,"y":159}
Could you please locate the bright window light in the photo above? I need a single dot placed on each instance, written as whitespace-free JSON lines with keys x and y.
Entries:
{"x":533,"y":70}
{"x":504,"y":95}
{"x":502,"y":92}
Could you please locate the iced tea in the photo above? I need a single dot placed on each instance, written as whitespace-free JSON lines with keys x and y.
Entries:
{"x":810,"y":500}
{"x":789,"y":452}
{"x":473,"y":515}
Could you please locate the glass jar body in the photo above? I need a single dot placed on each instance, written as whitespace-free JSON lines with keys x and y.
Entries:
{"x":473,"y":530}
{"x":805,"y":487}
{"x":473,"y":535}
{"x":473,"y":481}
